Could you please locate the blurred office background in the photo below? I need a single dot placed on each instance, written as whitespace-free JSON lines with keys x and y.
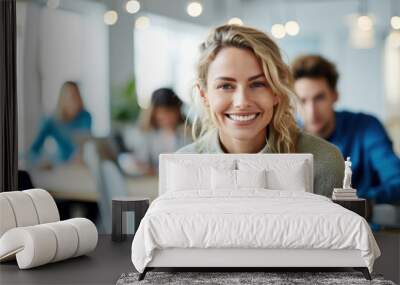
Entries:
{"x":119,"y":52}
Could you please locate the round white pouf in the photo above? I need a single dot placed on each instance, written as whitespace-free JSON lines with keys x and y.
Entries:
{"x":37,"y":245}
{"x":87,"y":234}
{"x":23,"y":208}
{"x":31,"y":232}
{"x":67,"y":240}
{"x":7,"y":218}
{"x":45,"y":205}
{"x":33,"y":246}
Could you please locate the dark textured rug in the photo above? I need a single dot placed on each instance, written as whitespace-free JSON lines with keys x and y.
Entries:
{"x":229,"y":278}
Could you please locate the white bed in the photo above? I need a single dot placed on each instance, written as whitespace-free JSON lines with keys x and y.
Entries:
{"x":200,"y":220}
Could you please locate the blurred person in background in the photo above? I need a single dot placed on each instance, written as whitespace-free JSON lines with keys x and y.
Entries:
{"x":161,"y":129}
{"x":376,"y":168}
{"x":70,"y":121}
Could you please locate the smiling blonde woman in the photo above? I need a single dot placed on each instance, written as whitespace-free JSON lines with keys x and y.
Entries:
{"x":245,"y":98}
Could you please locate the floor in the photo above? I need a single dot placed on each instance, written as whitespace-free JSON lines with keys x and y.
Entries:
{"x":389,"y":262}
{"x":111,"y":259}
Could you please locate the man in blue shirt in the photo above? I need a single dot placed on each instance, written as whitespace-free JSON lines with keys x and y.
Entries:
{"x":376,"y":168}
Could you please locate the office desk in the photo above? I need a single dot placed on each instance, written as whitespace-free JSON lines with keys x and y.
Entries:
{"x":75,"y":183}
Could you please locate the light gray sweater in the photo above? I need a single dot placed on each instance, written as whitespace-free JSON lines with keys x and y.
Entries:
{"x":328,"y":161}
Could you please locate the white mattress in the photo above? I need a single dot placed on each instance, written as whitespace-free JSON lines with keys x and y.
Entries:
{"x":252,"y":218}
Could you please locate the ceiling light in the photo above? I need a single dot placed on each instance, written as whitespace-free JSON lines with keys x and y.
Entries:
{"x":361,"y":31}
{"x":110,"y":17}
{"x":292,"y":28}
{"x":235,"y":21}
{"x":365,"y":23}
{"x":194,"y":9}
{"x":278,"y":31}
{"x":132,"y":6}
{"x":395,"y":22}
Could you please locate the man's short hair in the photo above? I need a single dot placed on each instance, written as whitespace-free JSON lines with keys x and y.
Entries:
{"x":315,"y":66}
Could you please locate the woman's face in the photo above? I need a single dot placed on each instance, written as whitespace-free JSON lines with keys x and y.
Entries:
{"x":71,"y":102}
{"x":238,"y":94}
{"x":167,"y":117}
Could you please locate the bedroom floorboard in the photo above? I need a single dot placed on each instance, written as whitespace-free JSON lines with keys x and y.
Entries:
{"x":111,"y":259}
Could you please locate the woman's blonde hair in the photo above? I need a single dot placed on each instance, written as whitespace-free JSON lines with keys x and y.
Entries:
{"x":277,"y":73}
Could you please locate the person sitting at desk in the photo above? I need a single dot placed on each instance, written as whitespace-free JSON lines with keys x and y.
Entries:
{"x":161,"y":129}
{"x":69,"y":121}
{"x":376,"y":168}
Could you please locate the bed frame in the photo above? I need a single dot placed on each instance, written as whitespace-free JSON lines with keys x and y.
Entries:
{"x":248,"y":259}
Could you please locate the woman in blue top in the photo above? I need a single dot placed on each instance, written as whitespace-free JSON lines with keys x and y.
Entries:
{"x":69,"y":120}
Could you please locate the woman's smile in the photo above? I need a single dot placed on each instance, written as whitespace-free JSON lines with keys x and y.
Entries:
{"x":242,"y":119}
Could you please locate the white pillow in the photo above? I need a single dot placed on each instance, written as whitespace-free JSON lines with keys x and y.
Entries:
{"x":190,"y":175}
{"x":281,"y":174}
{"x":225,"y":179}
{"x":293,"y":180}
{"x":187,"y":177}
{"x":251,"y":178}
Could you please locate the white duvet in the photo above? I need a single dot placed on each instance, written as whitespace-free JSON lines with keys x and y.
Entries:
{"x":250,"y":218}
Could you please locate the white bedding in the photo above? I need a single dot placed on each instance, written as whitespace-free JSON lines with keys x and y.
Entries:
{"x":251,"y":218}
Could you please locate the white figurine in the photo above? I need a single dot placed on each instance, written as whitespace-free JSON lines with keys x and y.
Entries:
{"x":347,"y":174}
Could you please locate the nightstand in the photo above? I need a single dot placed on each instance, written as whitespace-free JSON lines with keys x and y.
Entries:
{"x":357,"y":205}
{"x":139,"y":205}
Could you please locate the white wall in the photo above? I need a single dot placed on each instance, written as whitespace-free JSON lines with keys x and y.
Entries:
{"x":166,"y":54}
{"x":96,"y":70}
{"x":74,"y":46}
{"x":28,"y":82}
{"x":56,"y":45}
{"x":60,"y":53}
{"x":120,"y":46}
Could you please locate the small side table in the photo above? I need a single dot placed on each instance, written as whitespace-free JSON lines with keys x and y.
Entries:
{"x":357,"y":205}
{"x":139,"y":205}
